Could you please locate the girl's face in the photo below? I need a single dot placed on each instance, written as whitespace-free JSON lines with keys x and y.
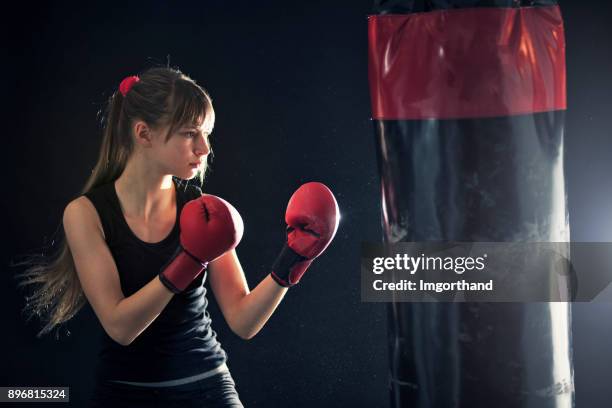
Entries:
{"x":186,"y":151}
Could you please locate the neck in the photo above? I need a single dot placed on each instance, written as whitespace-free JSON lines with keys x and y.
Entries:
{"x":143,"y":191}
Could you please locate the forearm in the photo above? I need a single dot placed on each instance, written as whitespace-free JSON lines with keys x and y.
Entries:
{"x":255,"y":308}
{"x":135,"y":313}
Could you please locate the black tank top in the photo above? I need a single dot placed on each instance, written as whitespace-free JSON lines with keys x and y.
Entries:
{"x":179,"y":342}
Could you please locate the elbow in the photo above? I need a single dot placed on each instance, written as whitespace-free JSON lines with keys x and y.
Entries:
{"x":118,"y":330}
{"x":118,"y":336}
{"x":246,"y":336}
{"x":244,"y":333}
{"x":121,"y":340}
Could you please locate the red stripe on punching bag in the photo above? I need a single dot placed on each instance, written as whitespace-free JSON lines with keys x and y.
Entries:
{"x":467,"y":63}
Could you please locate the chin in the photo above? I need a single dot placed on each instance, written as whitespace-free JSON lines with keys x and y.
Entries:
{"x":191,"y":174}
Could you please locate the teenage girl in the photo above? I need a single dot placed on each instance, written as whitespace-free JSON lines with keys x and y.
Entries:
{"x":141,"y":241}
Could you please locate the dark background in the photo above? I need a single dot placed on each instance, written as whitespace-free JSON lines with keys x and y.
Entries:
{"x":289,"y":85}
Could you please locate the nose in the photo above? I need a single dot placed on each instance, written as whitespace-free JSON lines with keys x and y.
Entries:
{"x":202,"y":146}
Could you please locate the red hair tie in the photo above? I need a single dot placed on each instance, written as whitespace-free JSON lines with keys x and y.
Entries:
{"x":127,"y":84}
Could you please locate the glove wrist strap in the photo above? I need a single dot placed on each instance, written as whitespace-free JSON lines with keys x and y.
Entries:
{"x":283,"y":265}
{"x":180,"y":270}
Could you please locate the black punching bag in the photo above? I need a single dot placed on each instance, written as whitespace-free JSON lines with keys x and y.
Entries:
{"x":468,"y":102}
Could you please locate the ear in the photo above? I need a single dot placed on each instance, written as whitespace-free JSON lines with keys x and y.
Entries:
{"x":142,"y":133}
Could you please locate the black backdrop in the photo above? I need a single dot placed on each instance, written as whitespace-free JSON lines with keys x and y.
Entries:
{"x":289,"y":84}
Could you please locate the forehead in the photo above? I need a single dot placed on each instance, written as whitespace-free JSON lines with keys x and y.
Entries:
{"x":203,"y":123}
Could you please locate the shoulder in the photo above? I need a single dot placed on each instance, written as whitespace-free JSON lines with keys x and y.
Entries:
{"x":79,"y":207}
{"x":82,"y":213}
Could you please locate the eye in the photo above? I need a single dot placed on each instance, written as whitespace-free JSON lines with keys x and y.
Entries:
{"x":190,"y":135}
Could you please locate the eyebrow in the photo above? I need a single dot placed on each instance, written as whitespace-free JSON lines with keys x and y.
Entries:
{"x":207,"y":131}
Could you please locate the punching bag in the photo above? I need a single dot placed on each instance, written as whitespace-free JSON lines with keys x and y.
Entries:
{"x":468,"y":102}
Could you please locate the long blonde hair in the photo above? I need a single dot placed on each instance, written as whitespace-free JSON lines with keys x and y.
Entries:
{"x":162,"y":96}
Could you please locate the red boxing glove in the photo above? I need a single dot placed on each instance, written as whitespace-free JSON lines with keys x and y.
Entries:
{"x":210,"y":226}
{"x":312,"y":218}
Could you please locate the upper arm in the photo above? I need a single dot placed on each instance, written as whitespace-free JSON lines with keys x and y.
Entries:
{"x":93,"y":261}
{"x":228,"y":283}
